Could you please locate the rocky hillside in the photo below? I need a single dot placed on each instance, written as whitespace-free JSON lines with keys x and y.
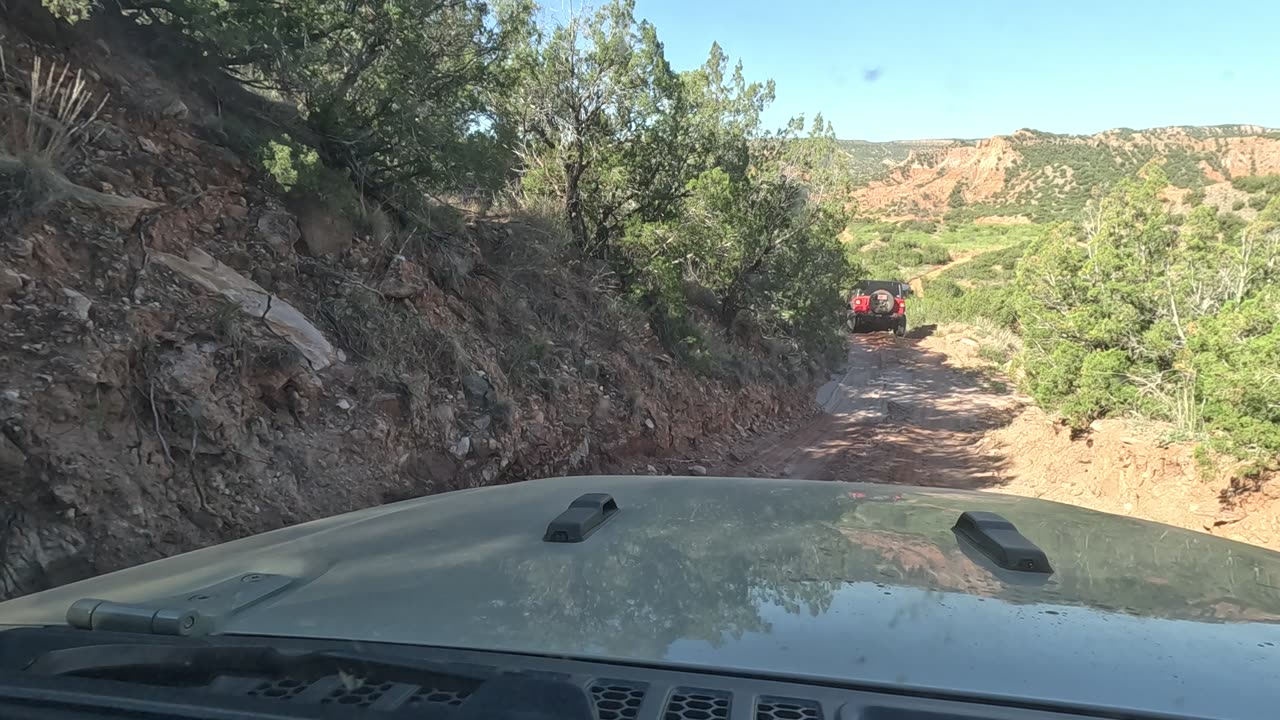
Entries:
{"x":871,"y":160}
{"x":187,"y":356}
{"x":1039,"y":176}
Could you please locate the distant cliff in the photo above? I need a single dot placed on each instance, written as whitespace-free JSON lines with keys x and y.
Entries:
{"x":1035,"y":175}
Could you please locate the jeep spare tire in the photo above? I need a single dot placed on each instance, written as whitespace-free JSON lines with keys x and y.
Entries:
{"x":882,"y":302}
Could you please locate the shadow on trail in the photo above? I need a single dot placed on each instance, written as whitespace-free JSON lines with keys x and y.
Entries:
{"x":921,"y":332}
{"x":896,"y":414}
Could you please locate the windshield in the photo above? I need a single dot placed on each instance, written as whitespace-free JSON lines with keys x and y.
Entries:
{"x":270,"y":263}
{"x":867,"y":287}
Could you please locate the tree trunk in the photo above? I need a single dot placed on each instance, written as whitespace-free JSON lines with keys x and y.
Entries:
{"x":728,"y":309}
{"x":573,"y":205}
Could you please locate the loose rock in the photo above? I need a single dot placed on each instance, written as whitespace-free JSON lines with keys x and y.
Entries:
{"x":10,"y":284}
{"x":462,"y":448}
{"x":79,"y":304}
{"x":279,"y":230}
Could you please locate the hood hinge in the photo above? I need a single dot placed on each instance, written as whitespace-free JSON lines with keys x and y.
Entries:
{"x":194,"y":613}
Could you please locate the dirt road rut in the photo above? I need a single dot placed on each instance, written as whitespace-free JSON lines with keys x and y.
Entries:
{"x":896,"y":413}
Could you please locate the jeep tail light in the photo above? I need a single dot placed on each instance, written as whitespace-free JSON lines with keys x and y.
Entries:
{"x":900,"y":306}
{"x":861,"y":303}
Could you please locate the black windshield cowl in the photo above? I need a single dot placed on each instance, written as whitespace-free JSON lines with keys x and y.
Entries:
{"x":193,"y":678}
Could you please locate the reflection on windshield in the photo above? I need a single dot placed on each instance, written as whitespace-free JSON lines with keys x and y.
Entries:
{"x":704,"y":569}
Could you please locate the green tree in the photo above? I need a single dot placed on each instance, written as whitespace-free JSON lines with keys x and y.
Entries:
{"x":1129,"y":312}
{"x":595,"y":110}
{"x":1088,"y":297}
{"x":397,"y":91}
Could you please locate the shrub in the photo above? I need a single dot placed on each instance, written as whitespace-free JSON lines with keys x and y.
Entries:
{"x":1179,"y":323}
{"x":72,"y":11}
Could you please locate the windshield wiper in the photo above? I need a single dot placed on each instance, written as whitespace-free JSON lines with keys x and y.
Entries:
{"x":149,"y":662}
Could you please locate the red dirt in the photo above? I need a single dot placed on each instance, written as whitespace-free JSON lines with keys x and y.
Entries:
{"x":930,"y":411}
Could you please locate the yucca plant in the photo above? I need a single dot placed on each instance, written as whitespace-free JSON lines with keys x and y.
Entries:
{"x":41,"y":131}
{"x":58,"y":115}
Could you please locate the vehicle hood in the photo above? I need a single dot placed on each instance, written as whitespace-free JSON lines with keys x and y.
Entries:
{"x":844,"y":581}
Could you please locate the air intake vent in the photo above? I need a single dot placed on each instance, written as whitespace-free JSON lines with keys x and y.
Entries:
{"x":775,"y":708}
{"x":332,"y":691}
{"x":617,"y":699}
{"x":361,"y":696}
{"x":695,"y":704}
{"x":284,"y":689}
{"x":438,"y":696}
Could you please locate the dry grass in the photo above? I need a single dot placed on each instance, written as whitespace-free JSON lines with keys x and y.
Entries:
{"x":1173,"y":395}
{"x":40,"y":133}
{"x":996,"y":344}
{"x":394,"y":340}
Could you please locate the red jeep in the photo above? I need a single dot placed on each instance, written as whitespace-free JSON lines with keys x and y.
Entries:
{"x":879,"y":305}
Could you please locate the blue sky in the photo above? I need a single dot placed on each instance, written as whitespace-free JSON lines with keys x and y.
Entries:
{"x":901,"y":69}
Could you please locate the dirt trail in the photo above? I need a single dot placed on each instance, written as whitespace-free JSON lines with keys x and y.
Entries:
{"x":918,"y":411}
{"x":917,"y":282}
{"x":898,"y":414}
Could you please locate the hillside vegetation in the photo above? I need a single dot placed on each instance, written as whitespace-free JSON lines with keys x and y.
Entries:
{"x":910,"y":249}
{"x":670,"y":179}
{"x":262,"y":263}
{"x":1132,"y":309}
{"x":870,"y":160}
{"x":1044,"y":177}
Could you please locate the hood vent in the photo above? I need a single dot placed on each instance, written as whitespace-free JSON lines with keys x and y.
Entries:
{"x":1001,"y":542}
{"x":697,"y":704}
{"x":584,"y":516}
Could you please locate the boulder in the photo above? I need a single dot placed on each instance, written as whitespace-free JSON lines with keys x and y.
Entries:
{"x":283,"y":319}
{"x":10,"y":284}
{"x":279,"y":230}
{"x":324,"y":232}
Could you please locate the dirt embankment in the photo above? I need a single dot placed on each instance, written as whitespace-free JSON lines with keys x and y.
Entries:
{"x":233,"y":362}
{"x":929,"y":410}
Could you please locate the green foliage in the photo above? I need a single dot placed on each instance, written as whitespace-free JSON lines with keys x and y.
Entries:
{"x":1236,"y":358}
{"x":908,"y":249}
{"x":1183,"y":170}
{"x":278,"y":162}
{"x":1268,"y":184}
{"x":672,"y":179}
{"x":399,"y":92}
{"x":866,"y":161}
{"x":901,"y":255}
{"x":297,"y":169}
{"x":1054,"y":193}
{"x":758,"y":247}
{"x":1205,"y":463}
{"x":975,"y":291}
{"x":72,"y":11}
{"x":1132,"y":313}
{"x":1057,"y":176}
{"x":669,"y":178}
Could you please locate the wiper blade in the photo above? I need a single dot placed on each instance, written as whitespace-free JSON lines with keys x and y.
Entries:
{"x":150,"y":662}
